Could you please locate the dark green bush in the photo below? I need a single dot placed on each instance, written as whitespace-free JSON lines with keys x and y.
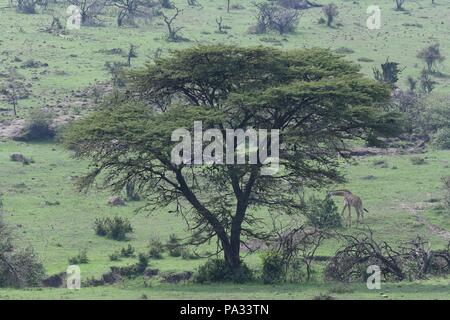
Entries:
{"x":156,"y":249}
{"x":38,"y":127}
{"x":273,"y":268}
{"x":80,"y":258}
{"x":442,"y":138}
{"x":323,"y":213}
{"x":116,"y":228}
{"x":127,"y":252}
{"x":216,"y":270}
{"x":174,"y":246}
{"x":18,"y":267}
{"x":114,"y":256}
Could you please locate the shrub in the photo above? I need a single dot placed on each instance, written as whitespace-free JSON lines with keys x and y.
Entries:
{"x":442,"y":138}
{"x":174,"y":247}
{"x":116,"y":228}
{"x":38,"y":127}
{"x":114,"y":256}
{"x":142,"y":263}
{"x":216,"y":270}
{"x":18,"y":267}
{"x":156,"y":249}
{"x":273,"y":268}
{"x":80,"y":258}
{"x":127,"y":252}
{"x":323,"y":213}
{"x":274,"y":17}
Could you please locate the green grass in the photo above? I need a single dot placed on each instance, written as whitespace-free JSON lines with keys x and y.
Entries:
{"x":428,"y":290}
{"x":80,"y":56}
{"x":60,"y":231}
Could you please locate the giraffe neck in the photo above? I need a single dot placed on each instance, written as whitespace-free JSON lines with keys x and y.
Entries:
{"x":344,"y":193}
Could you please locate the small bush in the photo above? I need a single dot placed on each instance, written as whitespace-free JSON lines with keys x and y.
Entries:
{"x":127,"y":252}
{"x":142,"y":263}
{"x":174,"y":247}
{"x":156,"y":249}
{"x":116,"y":228}
{"x":273,"y":268}
{"x":20,"y":268}
{"x":80,"y":258}
{"x":417,"y":161}
{"x":216,"y":270}
{"x":323,"y":213}
{"x":114,"y":256}
{"x":442,"y":138}
{"x":38,"y":127}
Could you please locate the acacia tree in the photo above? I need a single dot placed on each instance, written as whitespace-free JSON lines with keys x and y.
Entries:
{"x":315,"y":98}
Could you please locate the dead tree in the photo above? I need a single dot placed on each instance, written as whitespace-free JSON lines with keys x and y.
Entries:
{"x":14,"y":89}
{"x":173,"y":31}
{"x":413,"y":259}
{"x":219,"y":22}
{"x":399,"y":4}
{"x":89,"y":10}
{"x":131,"y":54}
{"x":127,"y":10}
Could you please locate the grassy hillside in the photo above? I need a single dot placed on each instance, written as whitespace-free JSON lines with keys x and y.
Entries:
{"x":395,"y":193}
{"x":77,"y":60}
{"x":44,"y":208}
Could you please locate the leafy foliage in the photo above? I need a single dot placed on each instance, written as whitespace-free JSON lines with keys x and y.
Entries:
{"x":315,"y":98}
{"x":217,"y":270}
{"x":273,"y":270}
{"x":323,"y":213}
{"x":116,"y":228}
{"x":19,"y":267}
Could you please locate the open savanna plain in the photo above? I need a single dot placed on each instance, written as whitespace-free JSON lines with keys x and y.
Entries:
{"x":45,"y":210}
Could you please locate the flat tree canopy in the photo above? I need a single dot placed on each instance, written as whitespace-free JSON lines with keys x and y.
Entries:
{"x":315,"y":98}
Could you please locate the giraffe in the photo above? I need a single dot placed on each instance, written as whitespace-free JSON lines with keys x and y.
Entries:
{"x":350,"y":200}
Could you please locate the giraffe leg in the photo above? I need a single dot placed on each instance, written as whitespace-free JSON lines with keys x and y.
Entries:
{"x":357,"y":214}
{"x":343,"y":210}
{"x":349,"y":216}
{"x":362,"y":215}
{"x":342,"y":213}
